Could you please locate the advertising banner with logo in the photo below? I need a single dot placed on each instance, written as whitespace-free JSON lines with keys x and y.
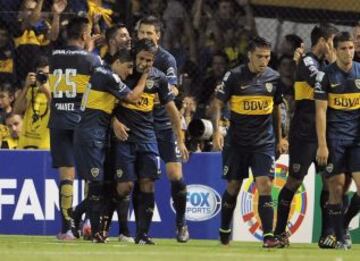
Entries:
{"x":29,"y":196}
{"x":29,"y":200}
{"x":247,"y":226}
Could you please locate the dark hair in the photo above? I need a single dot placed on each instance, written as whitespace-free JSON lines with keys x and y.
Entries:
{"x":7,"y":87}
{"x":258,"y":42}
{"x":124,"y":55}
{"x":342,"y":37}
{"x":294,"y":40}
{"x":151,"y":20}
{"x":42,"y":62}
{"x":145,"y":45}
{"x":76,"y":27}
{"x":323,"y":30}
{"x":111,"y":32}
{"x":221,"y":54}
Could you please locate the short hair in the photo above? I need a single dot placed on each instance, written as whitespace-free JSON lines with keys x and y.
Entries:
{"x":151,"y":20}
{"x":323,"y":30}
{"x":111,"y":32}
{"x":294,"y":40}
{"x":342,"y":37}
{"x":220,"y":54}
{"x":42,"y":62}
{"x":7,"y":87}
{"x":258,"y":42}
{"x":145,"y":45}
{"x":124,"y":55}
{"x":76,"y":27}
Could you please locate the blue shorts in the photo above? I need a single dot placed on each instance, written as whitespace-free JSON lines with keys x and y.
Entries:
{"x":133,"y":161}
{"x":62,"y":148}
{"x":89,"y":157}
{"x":168,"y":149}
{"x":301,"y":154}
{"x":237,"y":160}
{"x":344,"y":157}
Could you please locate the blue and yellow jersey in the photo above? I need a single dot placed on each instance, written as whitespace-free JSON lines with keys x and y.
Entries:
{"x":70,"y":71}
{"x":165,"y":62}
{"x":342,"y":91}
{"x":104,"y":91}
{"x":139,"y":117}
{"x":251,"y":98}
{"x":35,"y":132}
{"x":303,"y":122}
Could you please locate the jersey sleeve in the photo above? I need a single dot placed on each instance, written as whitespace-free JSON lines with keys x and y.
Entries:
{"x":117,"y":88}
{"x":171,"y":71}
{"x":95,"y":60}
{"x":321,"y":86}
{"x":279,"y":95}
{"x":165,"y":95}
{"x":309,"y":68}
{"x":224,"y":90}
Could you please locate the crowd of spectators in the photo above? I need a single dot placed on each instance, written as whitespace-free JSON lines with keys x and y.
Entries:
{"x":207,"y":37}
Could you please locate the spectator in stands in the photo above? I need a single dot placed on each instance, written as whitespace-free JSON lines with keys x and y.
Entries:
{"x":33,"y":103}
{"x":204,"y":94}
{"x":14,"y":125}
{"x":33,"y":34}
{"x":6,"y":100}
{"x":178,"y":36}
{"x":6,"y":56}
{"x":356,"y":36}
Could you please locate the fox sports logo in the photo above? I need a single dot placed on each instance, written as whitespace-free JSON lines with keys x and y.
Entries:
{"x":202,"y":203}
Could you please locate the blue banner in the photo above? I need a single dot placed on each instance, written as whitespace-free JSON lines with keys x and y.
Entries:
{"x":29,"y":196}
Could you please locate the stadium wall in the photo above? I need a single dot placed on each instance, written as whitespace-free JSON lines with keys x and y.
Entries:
{"x":29,"y":200}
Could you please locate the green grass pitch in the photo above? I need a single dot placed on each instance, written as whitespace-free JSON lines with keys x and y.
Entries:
{"x":48,"y":248}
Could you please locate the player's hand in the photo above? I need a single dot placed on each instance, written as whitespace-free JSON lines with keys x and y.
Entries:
{"x":174,"y":90}
{"x":322,"y":155}
{"x":59,"y":6}
{"x":298,"y":54}
{"x":183,"y":150}
{"x":120,"y":130}
{"x":30,"y":79}
{"x":218,"y":141}
{"x":283,"y":146}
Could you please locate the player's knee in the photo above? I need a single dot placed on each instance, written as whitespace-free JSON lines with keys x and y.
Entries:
{"x":233,"y":187}
{"x":124,"y":189}
{"x":293,"y":183}
{"x":67,"y":173}
{"x":263,"y":185}
{"x":146,"y":185}
{"x":174,"y":171}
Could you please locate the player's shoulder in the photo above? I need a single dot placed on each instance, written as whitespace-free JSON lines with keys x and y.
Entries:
{"x":105,"y":73}
{"x":164,"y":54}
{"x":156,"y":73}
{"x":309,"y":59}
{"x":271,"y":73}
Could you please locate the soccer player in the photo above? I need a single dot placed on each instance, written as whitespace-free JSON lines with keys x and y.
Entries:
{"x":252,"y":92}
{"x":117,"y":37}
{"x":92,"y":133}
{"x":337,"y":95}
{"x":149,"y":28}
{"x":302,"y":134}
{"x":70,"y":70}
{"x":137,"y":157}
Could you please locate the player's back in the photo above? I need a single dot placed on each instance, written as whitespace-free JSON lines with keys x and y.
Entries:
{"x":70,"y":71}
{"x":166,"y":63}
{"x":303,"y":122}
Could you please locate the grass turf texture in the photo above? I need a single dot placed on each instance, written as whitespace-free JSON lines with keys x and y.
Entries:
{"x":48,"y":248}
